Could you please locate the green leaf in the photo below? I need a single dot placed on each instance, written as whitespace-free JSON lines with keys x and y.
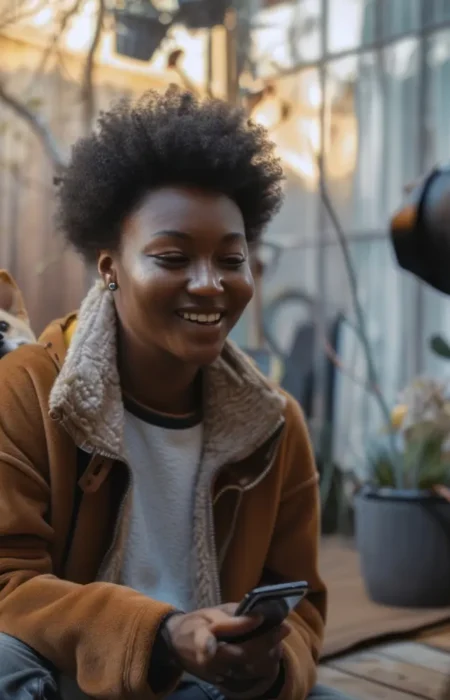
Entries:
{"x":440,"y":346}
{"x":423,"y":463}
{"x":382,"y":466}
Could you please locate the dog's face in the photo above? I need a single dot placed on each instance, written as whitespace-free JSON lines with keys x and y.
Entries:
{"x":14,"y":324}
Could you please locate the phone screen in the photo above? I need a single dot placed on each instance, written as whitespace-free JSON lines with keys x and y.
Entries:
{"x":263,"y":606}
{"x":273,"y":603}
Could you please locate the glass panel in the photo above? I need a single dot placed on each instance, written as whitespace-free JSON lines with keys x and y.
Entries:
{"x":295,"y":272}
{"x":306,"y":31}
{"x":400,"y":16}
{"x":354,"y":166}
{"x":438,"y":99}
{"x":436,"y":11}
{"x":286,"y":34}
{"x":401,"y":120}
{"x":385,"y":294}
{"x":350,"y":24}
{"x":298,"y":142}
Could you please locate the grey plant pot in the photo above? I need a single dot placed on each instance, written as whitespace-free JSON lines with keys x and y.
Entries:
{"x":403,"y":538}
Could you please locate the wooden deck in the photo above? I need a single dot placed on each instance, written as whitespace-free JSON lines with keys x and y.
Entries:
{"x":416,"y":668}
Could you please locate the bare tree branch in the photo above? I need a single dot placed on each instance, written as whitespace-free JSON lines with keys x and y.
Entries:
{"x":14,"y":13}
{"x":359,"y":311}
{"x":337,"y":362}
{"x":34,"y":121}
{"x":53,"y":43}
{"x":38,"y":126}
{"x":173,"y":63}
{"x":87,"y":90}
{"x":372,"y":372}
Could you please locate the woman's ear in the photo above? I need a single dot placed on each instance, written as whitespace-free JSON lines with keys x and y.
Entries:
{"x":105,"y":266}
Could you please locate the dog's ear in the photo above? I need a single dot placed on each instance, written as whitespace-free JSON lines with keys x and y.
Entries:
{"x":11,"y":299}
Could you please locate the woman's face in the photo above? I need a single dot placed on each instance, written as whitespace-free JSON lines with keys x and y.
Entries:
{"x":182,"y":272}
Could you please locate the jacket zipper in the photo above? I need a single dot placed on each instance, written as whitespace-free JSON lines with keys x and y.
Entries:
{"x":211,"y":533}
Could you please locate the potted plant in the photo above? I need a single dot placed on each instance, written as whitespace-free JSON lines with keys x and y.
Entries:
{"x":402,"y":514}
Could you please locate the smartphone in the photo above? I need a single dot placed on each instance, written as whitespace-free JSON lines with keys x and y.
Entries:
{"x":273,"y":603}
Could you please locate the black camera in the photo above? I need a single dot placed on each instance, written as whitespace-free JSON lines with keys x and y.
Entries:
{"x":420,"y":230}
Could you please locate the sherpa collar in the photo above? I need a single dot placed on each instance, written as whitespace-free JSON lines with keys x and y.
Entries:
{"x":241,"y":408}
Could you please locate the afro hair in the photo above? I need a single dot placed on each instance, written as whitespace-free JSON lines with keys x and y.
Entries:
{"x":162,"y":140}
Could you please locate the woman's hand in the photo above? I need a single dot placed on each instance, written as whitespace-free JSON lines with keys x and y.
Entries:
{"x":243,"y":670}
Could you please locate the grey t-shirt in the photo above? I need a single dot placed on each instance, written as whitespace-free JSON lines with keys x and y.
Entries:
{"x":163,"y":453}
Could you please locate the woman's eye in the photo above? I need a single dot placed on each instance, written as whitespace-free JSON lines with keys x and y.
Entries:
{"x":171,"y":258}
{"x":234,"y":260}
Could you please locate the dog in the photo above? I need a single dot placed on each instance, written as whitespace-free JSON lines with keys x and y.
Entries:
{"x":15,"y":329}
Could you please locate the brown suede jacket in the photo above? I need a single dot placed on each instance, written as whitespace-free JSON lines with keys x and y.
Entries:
{"x":256,"y":507}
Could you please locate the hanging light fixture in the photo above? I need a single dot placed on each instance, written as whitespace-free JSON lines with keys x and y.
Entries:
{"x":141,"y":26}
{"x":202,"y":14}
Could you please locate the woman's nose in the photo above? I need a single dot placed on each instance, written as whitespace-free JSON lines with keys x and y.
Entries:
{"x":205,"y":280}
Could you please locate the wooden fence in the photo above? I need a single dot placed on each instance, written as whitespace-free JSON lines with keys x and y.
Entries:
{"x":52,"y":278}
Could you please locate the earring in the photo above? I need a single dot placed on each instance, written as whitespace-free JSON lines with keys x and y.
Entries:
{"x":113,"y":286}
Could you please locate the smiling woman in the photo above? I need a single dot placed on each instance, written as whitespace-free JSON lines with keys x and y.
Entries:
{"x":183,"y":281}
{"x":169,"y":477}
